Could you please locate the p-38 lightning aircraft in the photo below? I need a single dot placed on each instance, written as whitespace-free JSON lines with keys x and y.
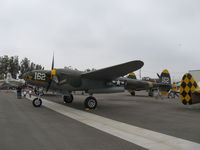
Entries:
{"x":65,"y":81}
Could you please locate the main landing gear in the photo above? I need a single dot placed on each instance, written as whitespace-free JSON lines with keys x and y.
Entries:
{"x":68,"y":98}
{"x":90,"y":102}
{"x":132,"y":93}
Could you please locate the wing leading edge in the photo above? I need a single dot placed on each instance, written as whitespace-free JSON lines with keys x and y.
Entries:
{"x":114,"y":72}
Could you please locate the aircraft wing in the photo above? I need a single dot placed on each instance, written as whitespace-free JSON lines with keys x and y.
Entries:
{"x":16,"y":83}
{"x":114,"y":72}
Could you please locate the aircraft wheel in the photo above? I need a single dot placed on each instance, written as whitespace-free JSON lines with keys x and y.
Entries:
{"x":37,"y":102}
{"x":132,"y":93}
{"x":90,"y":103}
{"x":68,"y":98}
{"x":151,"y":94}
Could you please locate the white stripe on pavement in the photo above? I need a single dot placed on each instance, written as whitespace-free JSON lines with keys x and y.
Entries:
{"x":136,"y":135}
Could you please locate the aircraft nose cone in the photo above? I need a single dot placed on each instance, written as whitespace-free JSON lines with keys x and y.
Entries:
{"x":26,"y":75}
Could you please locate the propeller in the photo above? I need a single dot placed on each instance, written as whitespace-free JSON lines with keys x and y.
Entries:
{"x":52,"y":65}
{"x":158,"y":76}
{"x":52,"y":75}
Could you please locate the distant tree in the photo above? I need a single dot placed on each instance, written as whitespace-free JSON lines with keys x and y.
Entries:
{"x":32,"y":66}
{"x":12,"y":65}
{"x":4,"y":65}
{"x":39,"y":67}
{"x":24,"y":65}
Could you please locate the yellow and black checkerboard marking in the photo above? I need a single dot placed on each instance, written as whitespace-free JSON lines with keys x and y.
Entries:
{"x":188,"y":85}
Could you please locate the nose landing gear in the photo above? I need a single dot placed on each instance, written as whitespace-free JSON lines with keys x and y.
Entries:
{"x":37,"y":102}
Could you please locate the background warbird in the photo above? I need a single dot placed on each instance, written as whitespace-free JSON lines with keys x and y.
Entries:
{"x":163,"y":83}
{"x":9,"y":82}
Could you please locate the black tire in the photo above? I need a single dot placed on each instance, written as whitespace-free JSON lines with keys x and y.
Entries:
{"x":133,"y":93}
{"x":90,"y":103}
{"x":68,"y":98}
{"x":37,"y":102}
{"x":151,"y":94}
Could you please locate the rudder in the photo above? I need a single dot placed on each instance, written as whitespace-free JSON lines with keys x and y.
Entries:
{"x":165,"y":79}
{"x":188,"y":86}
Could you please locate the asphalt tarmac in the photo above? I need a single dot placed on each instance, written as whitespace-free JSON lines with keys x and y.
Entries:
{"x":26,"y":127}
{"x":168,"y":116}
{"x":23,"y":127}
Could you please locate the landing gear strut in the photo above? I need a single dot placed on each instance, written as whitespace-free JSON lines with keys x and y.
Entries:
{"x":90,"y":102}
{"x":68,"y":98}
{"x":37,"y":102}
{"x":151,"y":93}
{"x":132,"y":93}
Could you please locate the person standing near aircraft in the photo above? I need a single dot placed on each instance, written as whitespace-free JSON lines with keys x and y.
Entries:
{"x":30,"y":93}
{"x":19,"y":92}
{"x":174,"y":91}
{"x":159,"y":95}
{"x":24,"y":93}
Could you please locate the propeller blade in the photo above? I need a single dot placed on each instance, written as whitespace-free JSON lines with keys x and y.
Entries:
{"x":51,"y":77}
{"x":52,"y":66}
{"x":158,"y":76}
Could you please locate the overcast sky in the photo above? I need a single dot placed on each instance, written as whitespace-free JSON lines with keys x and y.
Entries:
{"x":99,"y":33}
